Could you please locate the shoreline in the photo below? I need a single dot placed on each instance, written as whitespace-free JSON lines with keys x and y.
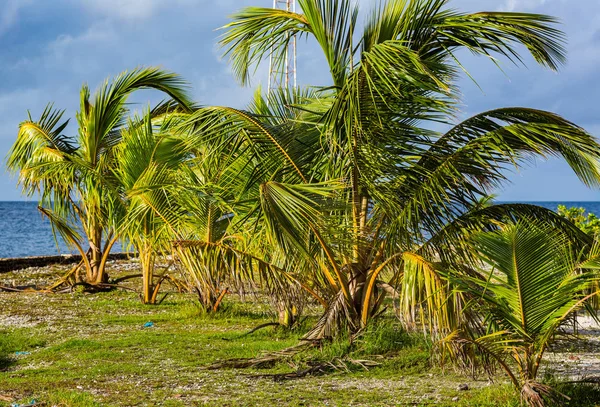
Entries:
{"x":9,"y":264}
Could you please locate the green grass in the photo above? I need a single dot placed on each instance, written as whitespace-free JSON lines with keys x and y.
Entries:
{"x":14,"y":342}
{"x":93,"y":350}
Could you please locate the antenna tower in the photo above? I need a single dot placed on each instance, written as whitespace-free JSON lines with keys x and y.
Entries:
{"x":282,"y":73}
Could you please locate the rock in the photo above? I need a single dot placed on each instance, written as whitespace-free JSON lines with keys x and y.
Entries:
{"x":463,"y":387}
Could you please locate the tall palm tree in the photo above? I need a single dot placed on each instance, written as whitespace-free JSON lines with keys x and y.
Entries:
{"x":536,"y":281}
{"x":351,"y":182}
{"x":73,"y":174}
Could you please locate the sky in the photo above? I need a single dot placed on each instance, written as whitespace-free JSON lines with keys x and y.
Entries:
{"x":48,"y":49}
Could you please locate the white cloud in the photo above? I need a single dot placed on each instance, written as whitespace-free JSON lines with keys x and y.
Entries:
{"x":82,"y":53}
{"x":100,"y":32}
{"x":125,"y":9}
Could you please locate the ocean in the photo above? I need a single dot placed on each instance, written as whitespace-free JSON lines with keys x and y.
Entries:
{"x":24,"y":232}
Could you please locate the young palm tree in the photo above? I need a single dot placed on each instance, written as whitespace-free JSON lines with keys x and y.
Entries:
{"x":351,"y":183}
{"x":535,"y":282}
{"x":73,"y":174}
{"x":218,"y":249}
{"x":149,"y":163}
{"x":205,"y":244}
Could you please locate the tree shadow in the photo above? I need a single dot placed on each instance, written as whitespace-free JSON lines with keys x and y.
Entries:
{"x":6,"y":361}
{"x":14,"y":343}
{"x":582,"y":394}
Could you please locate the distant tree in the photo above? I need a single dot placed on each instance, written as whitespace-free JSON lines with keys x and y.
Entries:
{"x":150,"y":163}
{"x":589,"y":223}
{"x":222,"y":247}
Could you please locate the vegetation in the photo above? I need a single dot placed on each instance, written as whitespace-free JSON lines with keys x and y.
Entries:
{"x":115,"y":361}
{"x":148,"y":158}
{"x":589,"y":223}
{"x":535,"y":282}
{"x":338,"y":196}
{"x":74,"y":174}
{"x":355,"y":187}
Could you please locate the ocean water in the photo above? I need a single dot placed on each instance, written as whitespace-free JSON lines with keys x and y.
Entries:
{"x":590,"y":206}
{"x":24,"y":232}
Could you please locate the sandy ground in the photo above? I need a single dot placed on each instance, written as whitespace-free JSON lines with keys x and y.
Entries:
{"x":578,"y":356}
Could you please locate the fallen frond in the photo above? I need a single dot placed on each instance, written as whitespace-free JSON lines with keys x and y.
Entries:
{"x":266,"y":360}
{"x":322,"y":368}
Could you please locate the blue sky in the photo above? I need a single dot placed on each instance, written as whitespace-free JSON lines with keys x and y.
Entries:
{"x":50,"y":48}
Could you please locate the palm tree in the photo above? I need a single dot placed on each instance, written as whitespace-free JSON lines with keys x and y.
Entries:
{"x":350,"y":181}
{"x":149,"y":162}
{"x":73,"y":174}
{"x":204,"y":245}
{"x":216,"y":246}
{"x":535,"y":281}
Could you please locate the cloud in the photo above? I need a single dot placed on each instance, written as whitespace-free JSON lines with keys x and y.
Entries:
{"x":522,"y":5}
{"x":144,"y":9}
{"x":9,"y":13}
{"x":51,"y":49}
{"x":99,"y":33}
{"x":126,"y":9}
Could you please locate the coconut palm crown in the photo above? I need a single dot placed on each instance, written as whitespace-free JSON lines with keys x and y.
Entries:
{"x":73,"y":175}
{"x":352,"y":183}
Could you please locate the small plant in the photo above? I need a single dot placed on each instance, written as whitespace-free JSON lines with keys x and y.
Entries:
{"x":533,"y":282}
{"x":589,"y":223}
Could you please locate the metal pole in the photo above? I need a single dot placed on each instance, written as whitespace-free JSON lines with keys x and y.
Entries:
{"x":283,"y":72}
{"x":294,"y":46}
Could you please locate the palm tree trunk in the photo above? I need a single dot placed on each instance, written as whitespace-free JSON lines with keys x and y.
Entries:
{"x":147,"y":260}
{"x":288,"y":314}
{"x":98,"y":255}
{"x":105,"y":253}
{"x":209,"y":224}
{"x":98,"y":274}
{"x":359,"y":268}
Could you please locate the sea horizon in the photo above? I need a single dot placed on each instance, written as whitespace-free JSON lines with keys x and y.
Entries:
{"x":26,"y":233}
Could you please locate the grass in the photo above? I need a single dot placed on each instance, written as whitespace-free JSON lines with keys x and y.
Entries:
{"x":93,"y":350}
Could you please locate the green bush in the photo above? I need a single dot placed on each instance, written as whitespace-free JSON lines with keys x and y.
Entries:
{"x":589,"y":223}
